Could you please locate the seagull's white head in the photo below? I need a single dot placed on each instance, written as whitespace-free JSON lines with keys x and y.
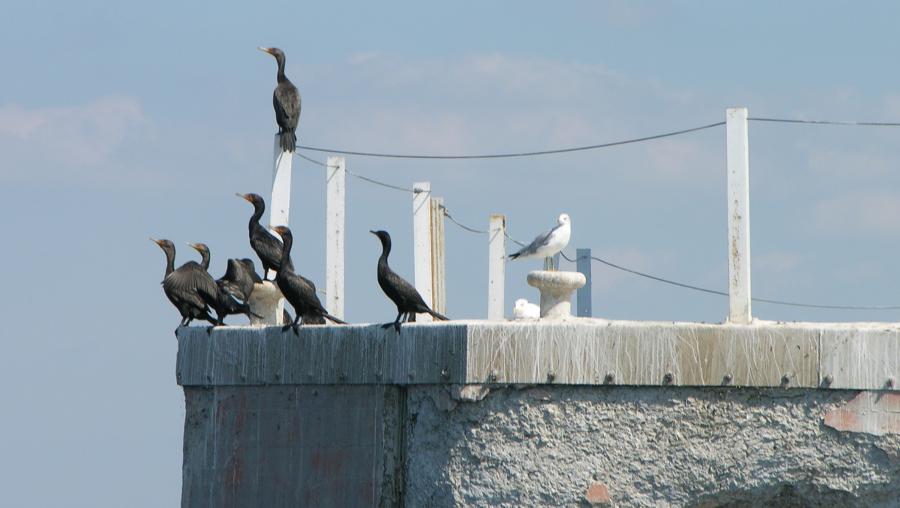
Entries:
{"x":521,"y":302}
{"x":563,"y":219}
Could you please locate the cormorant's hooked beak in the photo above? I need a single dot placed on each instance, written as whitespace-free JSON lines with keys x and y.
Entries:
{"x":245,"y":197}
{"x":265,"y":50}
{"x":194,"y":246}
{"x":374,"y":233}
{"x":154,"y":240}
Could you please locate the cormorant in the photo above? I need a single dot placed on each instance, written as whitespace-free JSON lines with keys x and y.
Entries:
{"x":402,"y":293}
{"x":266,"y":245}
{"x":549,"y":243}
{"x":298,"y":290}
{"x":251,"y":270}
{"x":286,"y":101}
{"x":190,"y":289}
{"x":230,"y":296}
{"x":235,"y":288}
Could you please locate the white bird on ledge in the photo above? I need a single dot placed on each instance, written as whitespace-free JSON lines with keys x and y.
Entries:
{"x":525,"y":310}
{"x":548,"y":244}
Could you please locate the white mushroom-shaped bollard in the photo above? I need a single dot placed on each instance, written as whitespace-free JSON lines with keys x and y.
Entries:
{"x":556,"y":291}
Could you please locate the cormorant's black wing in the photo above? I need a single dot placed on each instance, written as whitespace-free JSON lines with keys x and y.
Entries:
{"x":191,"y":284}
{"x":286,"y":100}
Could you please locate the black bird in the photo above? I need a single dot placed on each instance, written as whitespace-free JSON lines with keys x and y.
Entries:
{"x":266,"y":245}
{"x":402,"y":293}
{"x":251,"y":270}
{"x":286,"y":101}
{"x":228,"y":299}
{"x":235,"y":288}
{"x":189,"y":288}
{"x":298,"y":290}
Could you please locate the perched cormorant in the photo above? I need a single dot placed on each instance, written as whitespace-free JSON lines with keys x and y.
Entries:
{"x":251,"y":270}
{"x":230,"y":296}
{"x":548,"y":243}
{"x":190,"y":289}
{"x":266,"y":245}
{"x":235,"y":287}
{"x":286,"y":101}
{"x":298,"y":290}
{"x":402,"y":293}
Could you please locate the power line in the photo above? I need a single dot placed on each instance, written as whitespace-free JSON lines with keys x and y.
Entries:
{"x":723,"y":293}
{"x":512,"y":154}
{"x":825,"y":122}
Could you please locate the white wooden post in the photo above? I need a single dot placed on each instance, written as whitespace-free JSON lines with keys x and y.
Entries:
{"x":335,"y":220}
{"x":496,"y":266}
{"x":280,"y":204}
{"x":438,"y":265}
{"x":738,"y":165}
{"x":583,"y":265}
{"x":422,"y":243}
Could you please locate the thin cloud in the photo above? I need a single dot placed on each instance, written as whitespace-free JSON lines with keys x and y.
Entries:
{"x":70,"y":140}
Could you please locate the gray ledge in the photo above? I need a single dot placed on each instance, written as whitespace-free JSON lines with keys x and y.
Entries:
{"x":576,"y":352}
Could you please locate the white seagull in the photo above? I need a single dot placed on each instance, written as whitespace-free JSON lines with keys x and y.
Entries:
{"x":525,"y":310}
{"x":547,"y":244}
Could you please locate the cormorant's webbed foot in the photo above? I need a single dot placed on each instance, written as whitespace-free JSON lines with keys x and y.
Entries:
{"x":287,"y":327}
{"x":387,"y":325}
{"x":296,"y":328}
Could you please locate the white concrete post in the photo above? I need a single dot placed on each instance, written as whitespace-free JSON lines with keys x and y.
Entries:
{"x":496,"y":266}
{"x":583,"y":295}
{"x":738,"y":164}
{"x":335,"y":220}
{"x":280,"y":204}
{"x":422,"y":242}
{"x":438,"y":265}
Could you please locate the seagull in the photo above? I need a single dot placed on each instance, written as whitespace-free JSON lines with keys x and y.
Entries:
{"x":525,"y":310}
{"x":548,"y":244}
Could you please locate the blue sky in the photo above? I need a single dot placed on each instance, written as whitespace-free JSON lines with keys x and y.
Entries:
{"x":120,"y":121}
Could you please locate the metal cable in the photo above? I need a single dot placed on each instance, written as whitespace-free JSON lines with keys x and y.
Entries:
{"x":825,"y":122}
{"x":723,"y":293}
{"x":514,"y":154}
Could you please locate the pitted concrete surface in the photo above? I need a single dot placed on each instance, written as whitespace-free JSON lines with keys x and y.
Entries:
{"x":567,"y":446}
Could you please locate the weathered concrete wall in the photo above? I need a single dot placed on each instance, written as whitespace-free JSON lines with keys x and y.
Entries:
{"x":360,"y":416}
{"x":547,"y":446}
{"x":280,"y":446}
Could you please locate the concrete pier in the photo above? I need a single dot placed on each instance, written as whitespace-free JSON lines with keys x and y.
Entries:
{"x":574,"y":413}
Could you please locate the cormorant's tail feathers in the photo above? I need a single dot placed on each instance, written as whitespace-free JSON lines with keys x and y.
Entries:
{"x":514,"y":256}
{"x":438,"y":316}
{"x":334,"y":319}
{"x":288,"y":141}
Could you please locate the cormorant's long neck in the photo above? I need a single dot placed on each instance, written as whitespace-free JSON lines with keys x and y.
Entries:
{"x":385,"y":251}
{"x":286,"y":252}
{"x":204,"y":260}
{"x":258,"y":210}
{"x":170,"y":261}
{"x":281,"y":76}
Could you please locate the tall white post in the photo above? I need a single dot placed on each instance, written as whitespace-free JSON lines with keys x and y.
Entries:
{"x":280,"y":204}
{"x":738,"y":164}
{"x":335,"y":220}
{"x":438,"y":265}
{"x":496,"y":266}
{"x":583,"y":295}
{"x":422,"y":242}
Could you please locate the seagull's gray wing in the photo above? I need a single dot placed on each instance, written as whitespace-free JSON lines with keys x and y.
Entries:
{"x":539,"y":241}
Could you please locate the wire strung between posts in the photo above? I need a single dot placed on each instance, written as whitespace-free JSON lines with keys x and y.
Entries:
{"x":723,"y":293}
{"x":467,"y":228}
{"x":513,"y":154}
{"x":383,"y":184}
{"x":825,"y":122}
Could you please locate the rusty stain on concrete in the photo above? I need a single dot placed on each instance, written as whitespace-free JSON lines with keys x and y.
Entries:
{"x":876,"y":413}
